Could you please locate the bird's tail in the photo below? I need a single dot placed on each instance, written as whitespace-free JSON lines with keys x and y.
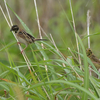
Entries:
{"x":40,"y":40}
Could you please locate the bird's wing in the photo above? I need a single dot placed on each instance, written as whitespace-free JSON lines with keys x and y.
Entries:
{"x":29,"y":38}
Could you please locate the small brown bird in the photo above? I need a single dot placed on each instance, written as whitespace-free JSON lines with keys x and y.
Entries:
{"x":24,"y":37}
{"x":93,"y":58}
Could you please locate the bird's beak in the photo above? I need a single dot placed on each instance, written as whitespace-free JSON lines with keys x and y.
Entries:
{"x":10,"y":30}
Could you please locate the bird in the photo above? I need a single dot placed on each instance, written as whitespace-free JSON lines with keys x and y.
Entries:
{"x":93,"y":58}
{"x":24,"y":37}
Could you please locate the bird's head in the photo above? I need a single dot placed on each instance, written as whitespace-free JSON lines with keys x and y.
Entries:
{"x":88,"y":52}
{"x":14,"y":28}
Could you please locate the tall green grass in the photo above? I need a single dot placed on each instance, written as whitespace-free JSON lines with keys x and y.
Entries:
{"x":49,"y":77}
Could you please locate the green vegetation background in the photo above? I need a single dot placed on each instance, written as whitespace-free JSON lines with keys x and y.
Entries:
{"x":53,"y":19}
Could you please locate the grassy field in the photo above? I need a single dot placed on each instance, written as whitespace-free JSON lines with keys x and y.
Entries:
{"x":57,"y":69}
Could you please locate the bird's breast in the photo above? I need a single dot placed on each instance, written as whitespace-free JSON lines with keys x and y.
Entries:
{"x":21,"y":40}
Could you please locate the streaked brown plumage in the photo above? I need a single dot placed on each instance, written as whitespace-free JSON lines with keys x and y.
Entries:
{"x":93,"y":58}
{"x":24,"y":37}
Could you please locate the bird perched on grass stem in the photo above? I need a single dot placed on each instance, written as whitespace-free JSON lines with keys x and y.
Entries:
{"x":24,"y":37}
{"x":93,"y":58}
